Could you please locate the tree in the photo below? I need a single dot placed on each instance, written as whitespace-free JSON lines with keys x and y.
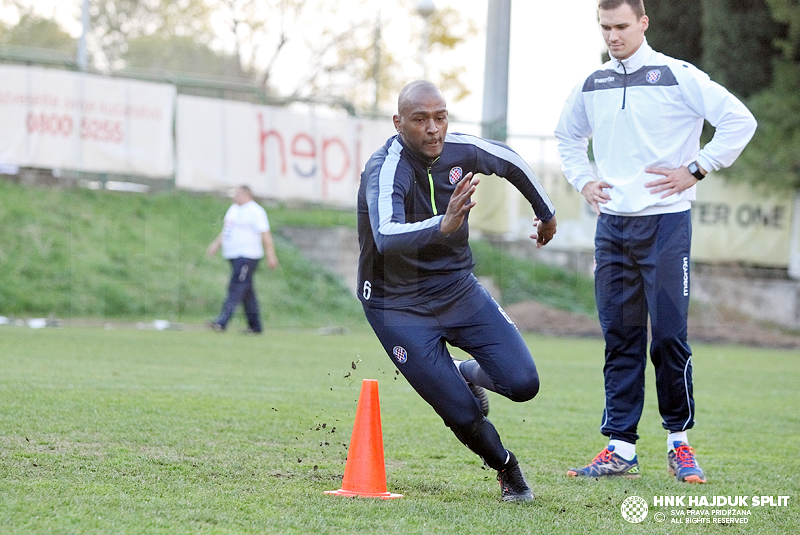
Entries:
{"x":772,"y":160}
{"x":787,"y":12}
{"x":752,"y":47}
{"x":676,"y":28}
{"x":179,"y":53}
{"x":395,"y":47}
{"x":115,"y":23}
{"x":739,"y":44}
{"x":295,"y":48}
{"x":37,"y":32}
{"x":335,"y":56}
{"x":448,"y":31}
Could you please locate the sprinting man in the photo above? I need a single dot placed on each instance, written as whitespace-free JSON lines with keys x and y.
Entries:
{"x":645,"y":112}
{"x":415,"y":276}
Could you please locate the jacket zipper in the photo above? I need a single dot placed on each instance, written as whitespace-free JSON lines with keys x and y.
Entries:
{"x":624,"y":83}
{"x":430,"y":181}
{"x":433,"y":200}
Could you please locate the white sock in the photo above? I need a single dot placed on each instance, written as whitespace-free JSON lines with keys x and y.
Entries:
{"x":626,"y":450}
{"x":676,"y":436}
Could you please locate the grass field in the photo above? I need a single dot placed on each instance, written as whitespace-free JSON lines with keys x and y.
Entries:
{"x":129,"y":431}
{"x":78,"y":253}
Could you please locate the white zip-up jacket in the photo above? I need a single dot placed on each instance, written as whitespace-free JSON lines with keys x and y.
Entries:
{"x":648,"y":111}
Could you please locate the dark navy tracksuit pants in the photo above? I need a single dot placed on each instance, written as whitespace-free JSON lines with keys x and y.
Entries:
{"x":240,"y":290}
{"x":642,"y":270}
{"x":465,"y":316}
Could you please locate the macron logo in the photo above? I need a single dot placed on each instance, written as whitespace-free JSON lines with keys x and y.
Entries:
{"x":604,"y":80}
{"x":686,"y":276}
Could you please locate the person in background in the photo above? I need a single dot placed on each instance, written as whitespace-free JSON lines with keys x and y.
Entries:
{"x":244,"y":240}
{"x":645,"y":112}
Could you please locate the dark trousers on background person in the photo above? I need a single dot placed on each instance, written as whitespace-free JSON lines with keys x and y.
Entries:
{"x":642,"y":270}
{"x":240,"y":290}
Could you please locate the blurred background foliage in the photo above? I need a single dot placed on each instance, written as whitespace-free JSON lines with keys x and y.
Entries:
{"x":242,"y":40}
{"x":752,"y":47}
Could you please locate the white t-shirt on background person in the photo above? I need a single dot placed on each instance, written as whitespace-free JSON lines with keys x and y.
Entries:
{"x":242,"y":229}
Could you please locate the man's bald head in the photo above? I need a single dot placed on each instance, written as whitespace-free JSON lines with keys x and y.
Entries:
{"x":421,"y":119}
{"x":415,"y":91}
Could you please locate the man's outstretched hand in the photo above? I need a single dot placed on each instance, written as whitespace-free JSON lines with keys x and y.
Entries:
{"x":459,"y":206}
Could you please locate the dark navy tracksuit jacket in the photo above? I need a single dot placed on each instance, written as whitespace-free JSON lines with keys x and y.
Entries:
{"x":404,"y":257}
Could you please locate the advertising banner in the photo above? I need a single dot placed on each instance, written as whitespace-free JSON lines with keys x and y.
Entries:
{"x":731,"y":223}
{"x":280,"y":153}
{"x":735,"y":223}
{"x":67,"y":120}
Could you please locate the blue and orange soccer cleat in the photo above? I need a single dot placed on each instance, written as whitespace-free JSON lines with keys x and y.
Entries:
{"x":607,"y":463}
{"x":682,"y":464}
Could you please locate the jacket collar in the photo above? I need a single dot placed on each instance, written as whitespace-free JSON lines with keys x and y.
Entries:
{"x":637,"y":60}
{"x":415,"y":157}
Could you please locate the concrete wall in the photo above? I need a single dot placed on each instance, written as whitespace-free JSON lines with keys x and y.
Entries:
{"x":335,"y":249}
{"x":765,"y":295}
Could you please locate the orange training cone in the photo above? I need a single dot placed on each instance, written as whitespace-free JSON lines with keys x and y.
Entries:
{"x":365,"y":473}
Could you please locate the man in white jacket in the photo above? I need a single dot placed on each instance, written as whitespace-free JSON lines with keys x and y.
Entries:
{"x":645,"y":112}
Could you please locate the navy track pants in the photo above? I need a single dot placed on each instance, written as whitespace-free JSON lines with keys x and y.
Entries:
{"x":642,"y":270}
{"x":465,"y":316}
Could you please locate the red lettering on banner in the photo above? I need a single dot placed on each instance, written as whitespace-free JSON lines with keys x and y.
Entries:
{"x":328,"y":159}
{"x":61,"y":125}
{"x":309,"y":152}
{"x":326,"y":175}
{"x":262,"y":145}
{"x":79,"y":104}
{"x":102,"y":130}
{"x":49,"y":124}
{"x":25,"y":99}
{"x":357,"y":174}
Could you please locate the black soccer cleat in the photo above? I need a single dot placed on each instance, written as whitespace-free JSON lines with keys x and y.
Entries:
{"x":513,"y":487}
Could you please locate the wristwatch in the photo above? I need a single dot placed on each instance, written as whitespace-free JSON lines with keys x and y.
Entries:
{"x":695,"y":170}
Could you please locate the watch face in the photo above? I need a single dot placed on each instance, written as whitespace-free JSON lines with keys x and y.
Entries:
{"x":695,"y":170}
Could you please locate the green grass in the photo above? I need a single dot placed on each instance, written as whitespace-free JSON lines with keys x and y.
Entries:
{"x":81,"y":253}
{"x":128,"y":431}
{"x":522,"y":280}
{"x":78,"y":253}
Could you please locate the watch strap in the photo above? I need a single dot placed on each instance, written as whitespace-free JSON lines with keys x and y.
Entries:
{"x":694,"y":168}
